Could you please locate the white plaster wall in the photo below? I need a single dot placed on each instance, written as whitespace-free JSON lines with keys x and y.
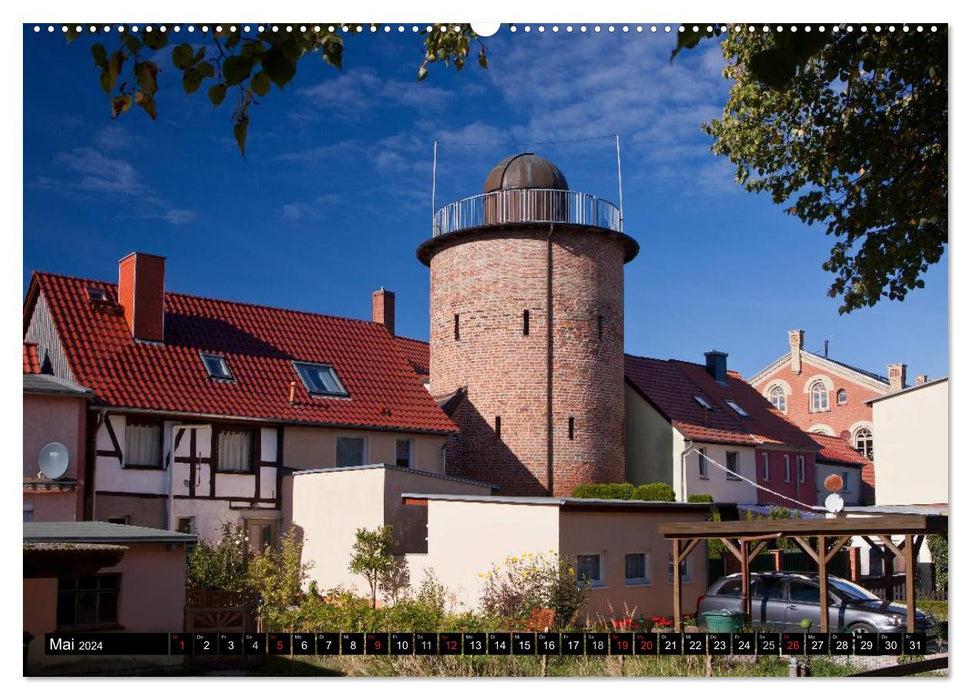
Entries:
{"x":718,"y":485}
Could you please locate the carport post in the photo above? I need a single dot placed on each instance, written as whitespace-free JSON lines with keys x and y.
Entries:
{"x":823,"y":584}
{"x":675,"y":556}
{"x":909,"y":585}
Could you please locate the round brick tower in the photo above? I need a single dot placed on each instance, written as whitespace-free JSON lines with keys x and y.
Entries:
{"x":540,"y":405}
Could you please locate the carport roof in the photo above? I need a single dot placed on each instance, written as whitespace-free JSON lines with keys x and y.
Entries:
{"x":904,"y":524}
{"x":565,"y":503}
{"x":99,"y":532}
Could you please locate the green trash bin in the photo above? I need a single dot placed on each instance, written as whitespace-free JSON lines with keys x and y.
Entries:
{"x":723,"y":621}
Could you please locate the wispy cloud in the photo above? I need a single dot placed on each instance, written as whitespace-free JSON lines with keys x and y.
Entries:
{"x":362,"y":90}
{"x":313,"y":209}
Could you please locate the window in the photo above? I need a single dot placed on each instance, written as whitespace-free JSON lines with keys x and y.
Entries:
{"x":320,"y":380}
{"x":571,"y":427}
{"x":685,"y":574}
{"x":96,"y":294}
{"x":235,"y":451}
{"x":768,"y":588}
{"x":841,"y":396}
{"x":702,"y":463}
{"x":88,"y":600}
{"x":788,"y":468}
{"x":765,"y":466}
{"x":803,"y":592}
{"x":457,"y":327}
{"x":186,"y":525}
{"x":864,"y":442}
{"x":261,"y":534}
{"x":703,"y":403}
{"x":600,"y":327}
{"x":846,"y":482}
{"x":588,"y":569}
{"x":636,"y":569}
{"x":216,"y":367}
{"x":498,"y":426}
{"x":735,"y":407}
{"x":402,"y":456}
{"x":525,"y":321}
{"x":119,"y":519}
{"x":801,"y":465}
{"x":819,"y":397}
{"x":143,"y":444}
{"x":777,"y":397}
{"x":732,"y":463}
{"x":350,"y":451}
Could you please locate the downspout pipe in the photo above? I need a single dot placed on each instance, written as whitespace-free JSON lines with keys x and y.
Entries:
{"x":684,"y":471}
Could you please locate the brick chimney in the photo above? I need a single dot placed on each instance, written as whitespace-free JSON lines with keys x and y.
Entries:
{"x":141,"y":293}
{"x":716,"y":362}
{"x":382,"y":308}
{"x":897,"y":374}
{"x":920,"y":379}
{"x":795,"y":348}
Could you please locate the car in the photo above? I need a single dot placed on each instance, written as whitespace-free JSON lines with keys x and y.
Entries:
{"x":782,"y":600}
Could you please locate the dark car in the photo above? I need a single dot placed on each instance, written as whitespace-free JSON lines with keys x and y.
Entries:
{"x":781,"y":601}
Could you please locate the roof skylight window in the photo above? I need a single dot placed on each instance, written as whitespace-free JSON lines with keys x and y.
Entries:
{"x":96,"y":294}
{"x":704,"y":403}
{"x":217,"y":367}
{"x":320,"y":380}
{"x":735,"y":407}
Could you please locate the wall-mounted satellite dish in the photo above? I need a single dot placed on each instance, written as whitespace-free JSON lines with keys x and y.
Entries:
{"x":834,"y":503}
{"x":53,"y":460}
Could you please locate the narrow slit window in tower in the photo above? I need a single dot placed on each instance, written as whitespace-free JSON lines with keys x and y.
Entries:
{"x":498,"y":426}
{"x":525,"y":321}
{"x":456,"y":326}
{"x":572,"y":427}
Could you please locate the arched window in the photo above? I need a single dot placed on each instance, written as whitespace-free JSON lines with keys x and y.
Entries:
{"x":841,"y":396}
{"x":863,"y":440}
{"x":819,"y":397}
{"x":778,"y":398}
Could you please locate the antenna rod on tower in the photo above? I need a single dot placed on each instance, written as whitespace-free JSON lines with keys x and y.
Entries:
{"x":620,"y":185}
{"x":434,"y":180}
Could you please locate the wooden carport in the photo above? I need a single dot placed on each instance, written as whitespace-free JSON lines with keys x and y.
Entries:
{"x":745,"y":539}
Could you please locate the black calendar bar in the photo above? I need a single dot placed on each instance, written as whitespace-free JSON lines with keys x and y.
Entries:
{"x":483,"y":643}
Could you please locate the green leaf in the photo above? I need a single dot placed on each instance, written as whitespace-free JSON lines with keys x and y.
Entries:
{"x":206,"y":70}
{"x":278,"y":67}
{"x":146,"y":102}
{"x":217,"y":93}
{"x":260,"y":83}
{"x":483,"y":62}
{"x":131,"y":42}
{"x":200,"y":54}
{"x":146,"y":74}
{"x":236,"y":69}
{"x":239,"y":132}
{"x":100,"y":55}
{"x":182,"y":56}
{"x":120,"y":105}
{"x":154,"y":39}
{"x":109,"y":74}
{"x":191,"y":80}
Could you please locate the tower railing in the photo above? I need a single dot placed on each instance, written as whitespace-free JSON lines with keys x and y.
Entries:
{"x":527,"y":205}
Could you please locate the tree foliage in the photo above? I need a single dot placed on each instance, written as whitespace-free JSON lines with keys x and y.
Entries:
{"x":372,"y":558}
{"x":220,"y":565}
{"x":277,"y":575}
{"x":938,"y":547}
{"x":849,"y":130}
{"x":244,"y":65}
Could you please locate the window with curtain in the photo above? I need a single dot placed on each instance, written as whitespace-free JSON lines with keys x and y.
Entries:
{"x":864,"y":442}
{"x":778,"y":398}
{"x":350,"y":451}
{"x":143,"y":445}
{"x":635,"y":569}
{"x":235,"y":451}
{"x":88,"y":600}
{"x":702,"y":463}
{"x":588,"y":569}
{"x":819,"y":397}
{"x":403,"y":453}
{"x":685,"y":573}
{"x":732,"y":464}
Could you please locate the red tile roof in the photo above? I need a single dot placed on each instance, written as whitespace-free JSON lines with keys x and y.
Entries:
{"x":259,"y":344}
{"x":416,"y":352}
{"x":836,"y":449}
{"x":672,"y":385}
{"x":31,"y":361}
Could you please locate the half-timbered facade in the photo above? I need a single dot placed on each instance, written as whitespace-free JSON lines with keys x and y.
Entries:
{"x":199,"y":407}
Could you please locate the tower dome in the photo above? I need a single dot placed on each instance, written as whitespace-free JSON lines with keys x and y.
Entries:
{"x":525,"y":171}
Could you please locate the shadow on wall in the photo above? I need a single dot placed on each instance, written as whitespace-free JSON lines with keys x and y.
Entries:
{"x":496,"y":464}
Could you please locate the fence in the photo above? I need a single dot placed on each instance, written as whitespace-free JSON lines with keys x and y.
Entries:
{"x":222,"y":611}
{"x":877,"y":585}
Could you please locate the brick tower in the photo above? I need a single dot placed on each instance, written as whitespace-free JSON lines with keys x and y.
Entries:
{"x":540,"y":405}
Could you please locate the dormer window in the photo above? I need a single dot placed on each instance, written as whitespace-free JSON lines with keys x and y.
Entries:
{"x":96,"y":294}
{"x":320,"y":380}
{"x":704,"y":404}
{"x":735,"y":407}
{"x":217,"y":367}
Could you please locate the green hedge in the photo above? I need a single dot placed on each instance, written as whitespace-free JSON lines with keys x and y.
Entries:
{"x":701,"y":498}
{"x":625,"y":492}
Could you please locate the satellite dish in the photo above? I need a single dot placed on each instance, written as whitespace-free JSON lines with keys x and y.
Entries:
{"x":834,"y":503}
{"x":53,"y":460}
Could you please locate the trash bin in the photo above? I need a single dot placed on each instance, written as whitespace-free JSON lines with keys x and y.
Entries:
{"x":723,"y":621}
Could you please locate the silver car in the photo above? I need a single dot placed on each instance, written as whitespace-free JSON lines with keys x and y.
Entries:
{"x":781,"y":601}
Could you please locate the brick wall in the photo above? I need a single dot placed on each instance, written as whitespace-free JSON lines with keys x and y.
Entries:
{"x":488,"y":280}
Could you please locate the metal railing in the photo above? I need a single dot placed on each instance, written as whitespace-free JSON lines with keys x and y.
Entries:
{"x":528,"y":205}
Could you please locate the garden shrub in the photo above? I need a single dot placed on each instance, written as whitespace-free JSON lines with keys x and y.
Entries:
{"x":513,"y":589}
{"x":701,"y":498}
{"x":654,"y":492}
{"x":623,"y":491}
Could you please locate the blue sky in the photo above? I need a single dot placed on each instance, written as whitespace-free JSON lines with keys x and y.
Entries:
{"x":334,"y":194}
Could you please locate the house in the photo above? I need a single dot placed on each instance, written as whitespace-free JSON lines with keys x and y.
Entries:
{"x":97,"y":576}
{"x":704,"y":430}
{"x":616,"y":546}
{"x":911,"y":457}
{"x":55,"y":410}
{"x":824,"y":396}
{"x":198,"y":407}
{"x":837,"y":456}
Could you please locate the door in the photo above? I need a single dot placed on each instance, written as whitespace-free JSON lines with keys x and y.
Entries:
{"x":261,"y":534}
